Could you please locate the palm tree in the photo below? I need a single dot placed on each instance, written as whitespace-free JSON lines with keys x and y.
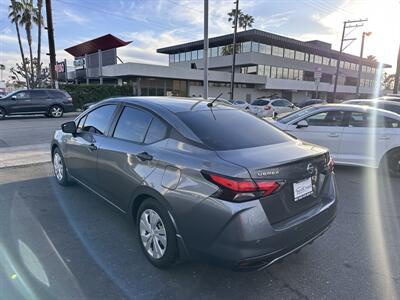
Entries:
{"x":15,"y":16}
{"x":231,"y":16}
{"x":247,"y":21}
{"x":38,"y":20}
{"x":371,"y":58}
{"x":27,"y":13}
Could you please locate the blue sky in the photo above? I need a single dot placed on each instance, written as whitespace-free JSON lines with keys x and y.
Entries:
{"x":151,"y":24}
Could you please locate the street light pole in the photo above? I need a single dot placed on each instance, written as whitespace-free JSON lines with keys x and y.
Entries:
{"x":234,"y":50}
{"x":52,"y":51}
{"x":205,"y":50}
{"x":360,"y":62}
{"x":397,"y":76}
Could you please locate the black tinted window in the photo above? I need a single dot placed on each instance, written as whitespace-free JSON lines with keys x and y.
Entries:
{"x":156,"y":132}
{"x":98,"y":120}
{"x":22,"y":95}
{"x":393,"y":108}
{"x":38,"y":94}
{"x":231,"y":129}
{"x":132,"y":125}
{"x":260,"y":102}
{"x":362,"y":119}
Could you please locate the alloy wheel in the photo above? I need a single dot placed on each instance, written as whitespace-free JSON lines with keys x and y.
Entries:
{"x":58,"y":166}
{"x":394,"y":163}
{"x":153,"y":234}
{"x":56,"y":111}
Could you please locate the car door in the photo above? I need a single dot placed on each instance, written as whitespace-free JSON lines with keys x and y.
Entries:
{"x":324,"y":128}
{"x":365,"y":139}
{"x":130,"y":156}
{"x":39,"y":100}
{"x":283,"y":106}
{"x":82,"y":148}
{"x":20,"y":103}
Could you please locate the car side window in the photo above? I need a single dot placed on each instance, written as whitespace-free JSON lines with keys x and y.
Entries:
{"x":37,"y":94}
{"x":326,"y":118}
{"x":98,"y":120}
{"x":364,"y":119}
{"x":393,"y":108}
{"x":260,"y":102}
{"x":132,"y":125}
{"x":157,"y":131}
{"x":22,"y":95}
{"x":282,"y":103}
{"x":391,"y":123}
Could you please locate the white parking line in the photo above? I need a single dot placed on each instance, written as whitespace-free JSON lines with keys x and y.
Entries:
{"x":24,"y":155}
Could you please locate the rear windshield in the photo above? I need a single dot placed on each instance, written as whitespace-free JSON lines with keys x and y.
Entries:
{"x":231,"y":129}
{"x":260,"y":102}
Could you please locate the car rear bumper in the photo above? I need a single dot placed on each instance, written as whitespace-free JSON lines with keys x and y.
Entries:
{"x":249,"y":241}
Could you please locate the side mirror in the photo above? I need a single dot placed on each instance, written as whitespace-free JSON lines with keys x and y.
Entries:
{"x":69,"y":127}
{"x":13,"y":97}
{"x":302,"y":124}
{"x":292,"y":106}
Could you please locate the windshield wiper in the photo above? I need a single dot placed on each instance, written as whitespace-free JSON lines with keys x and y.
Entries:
{"x":212,"y":102}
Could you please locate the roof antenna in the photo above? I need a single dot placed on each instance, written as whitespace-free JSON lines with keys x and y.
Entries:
{"x":212,"y":102}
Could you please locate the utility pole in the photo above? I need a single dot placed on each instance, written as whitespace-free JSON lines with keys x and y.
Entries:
{"x":360,"y":62}
{"x":397,"y":76}
{"x":52,"y":51}
{"x":344,"y":39}
{"x":234,"y":49}
{"x":205,"y":51}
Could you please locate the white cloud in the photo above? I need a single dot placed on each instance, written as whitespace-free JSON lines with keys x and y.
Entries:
{"x":73,"y":17}
{"x":273,"y":21}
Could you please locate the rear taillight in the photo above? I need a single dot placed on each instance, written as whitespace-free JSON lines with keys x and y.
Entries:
{"x":267,"y":107}
{"x":69,"y":99}
{"x":240,"y":190}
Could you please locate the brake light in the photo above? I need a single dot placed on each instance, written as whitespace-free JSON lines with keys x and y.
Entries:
{"x":69,"y":99}
{"x":239,"y":190}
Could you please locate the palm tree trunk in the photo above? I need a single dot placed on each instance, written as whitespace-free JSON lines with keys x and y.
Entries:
{"x":38,"y":66}
{"x":21,"y":49}
{"x":29,"y":37}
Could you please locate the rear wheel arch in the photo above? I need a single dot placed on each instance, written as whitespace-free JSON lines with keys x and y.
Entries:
{"x":386,"y":154}
{"x":141,"y":194}
{"x":4,"y":109}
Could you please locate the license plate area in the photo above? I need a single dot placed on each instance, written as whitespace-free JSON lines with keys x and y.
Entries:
{"x":302,"y":189}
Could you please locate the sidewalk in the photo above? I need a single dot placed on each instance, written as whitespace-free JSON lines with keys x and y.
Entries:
{"x":24,"y":155}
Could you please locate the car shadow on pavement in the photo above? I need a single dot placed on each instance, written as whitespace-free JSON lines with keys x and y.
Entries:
{"x":67,"y":241}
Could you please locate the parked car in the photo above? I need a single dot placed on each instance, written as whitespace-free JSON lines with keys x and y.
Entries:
{"x":241,"y":104}
{"x":391,"y":98}
{"x":51,"y":102}
{"x":383,"y":104}
{"x":308,"y":102}
{"x":196,"y":187}
{"x":267,"y":107}
{"x":355,"y":135}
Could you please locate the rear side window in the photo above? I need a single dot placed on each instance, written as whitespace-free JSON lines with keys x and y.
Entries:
{"x":132,"y":125}
{"x":231,"y":129}
{"x":393,"y":108}
{"x":157,"y":131}
{"x":98,"y":120}
{"x":260,"y":102}
{"x":327,"y":118}
{"x":37,"y":94}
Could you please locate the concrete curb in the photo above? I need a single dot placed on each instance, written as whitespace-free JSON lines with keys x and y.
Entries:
{"x":24,"y":155}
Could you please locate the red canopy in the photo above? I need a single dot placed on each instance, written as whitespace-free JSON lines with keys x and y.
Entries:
{"x":104,"y":42}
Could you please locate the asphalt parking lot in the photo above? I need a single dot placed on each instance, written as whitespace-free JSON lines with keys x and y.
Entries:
{"x":66,"y":243}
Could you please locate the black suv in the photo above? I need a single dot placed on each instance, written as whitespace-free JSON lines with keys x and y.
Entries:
{"x":51,"y":102}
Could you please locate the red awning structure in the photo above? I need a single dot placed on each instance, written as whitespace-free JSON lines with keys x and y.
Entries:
{"x":104,"y":42}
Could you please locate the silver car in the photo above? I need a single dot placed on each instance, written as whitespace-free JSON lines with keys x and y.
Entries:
{"x":200,"y":179}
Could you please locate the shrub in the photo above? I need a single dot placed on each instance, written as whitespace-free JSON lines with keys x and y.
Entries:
{"x":85,"y":93}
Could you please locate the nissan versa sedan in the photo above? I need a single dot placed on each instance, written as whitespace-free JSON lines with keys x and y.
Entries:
{"x":355,"y":135}
{"x":194,"y":185}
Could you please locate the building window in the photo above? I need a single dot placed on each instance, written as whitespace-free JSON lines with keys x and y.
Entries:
{"x":255,"y":47}
{"x":171,"y":58}
{"x":300,"y":75}
{"x":176,"y":57}
{"x":265,"y":49}
{"x":285,"y":72}
{"x":182,"y":56}
{"x":325,"y":61}
{"x":260,"y":70}
{"x":299,"y":55}
{"x":333,"y":62}
{"x":252,"y":70}
{"x":346,"y":65}
{"x":200,"y":54}
{"x":214,"y":51}
{"x":290,"y":74}
{"x":373,"y":70}
{"x":296,"y":74}
{"x":246,"y":47}
{"x":188,"y":56}
{"x":311,"y":58}
{"x":306,"y":56}
{"x":267,"y":71}
{"x":277,"y":51}
{"x":341,"y":64}
{"x":289,"y":53}
{"x":273,"y":72}
{"x":194,"y":54}
{"x":317,"y":59}
{"x":279,"y":72}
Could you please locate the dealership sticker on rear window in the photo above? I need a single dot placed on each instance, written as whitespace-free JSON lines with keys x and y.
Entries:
{"x":302,"y":189}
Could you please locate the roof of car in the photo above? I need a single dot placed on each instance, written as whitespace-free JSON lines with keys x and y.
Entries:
{"x":173,"y":104}
{"x":380,"y":101}
{"x":354,"y":107}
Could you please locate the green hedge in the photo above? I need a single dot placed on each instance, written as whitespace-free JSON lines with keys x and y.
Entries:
{"x":85,"y":93}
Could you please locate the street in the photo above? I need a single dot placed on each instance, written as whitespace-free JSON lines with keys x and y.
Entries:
{"x":67,"y":243}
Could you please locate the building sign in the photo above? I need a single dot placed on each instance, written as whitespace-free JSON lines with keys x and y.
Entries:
{"x":317,"y":73}
{"x":60,"y":67}
{"x":79,"y":62}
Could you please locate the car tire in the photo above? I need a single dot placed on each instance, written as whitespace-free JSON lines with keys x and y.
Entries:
{"x":56,"y":111}
{"x":391,"y":163}
{"x":60,"y":171}
{"x":3,"y":113}
{"x":156,"y":234}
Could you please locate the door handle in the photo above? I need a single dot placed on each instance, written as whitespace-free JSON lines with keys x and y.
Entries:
{"x":92,"y":147}
{"x":144,"y":156}
{"x":333,"y":134}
